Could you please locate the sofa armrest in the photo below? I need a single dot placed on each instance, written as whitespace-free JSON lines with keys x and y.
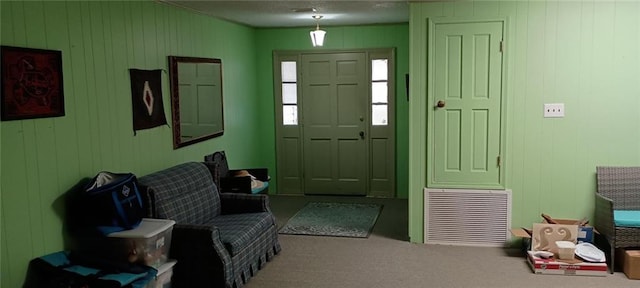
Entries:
{"x":204,"y":261}
{"x":235,"y":184}
{"x":603,"y":220}
{"x":233,"y":203}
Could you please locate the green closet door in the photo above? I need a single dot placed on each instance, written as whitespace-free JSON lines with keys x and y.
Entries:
{"x":467,"y":105}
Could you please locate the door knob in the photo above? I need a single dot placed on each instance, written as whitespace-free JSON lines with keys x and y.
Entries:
{"x":440,"y":104}
{"x":361,"y":134}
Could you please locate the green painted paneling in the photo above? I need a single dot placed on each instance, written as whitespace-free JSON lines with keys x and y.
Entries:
{"x":100,"y":41}
{"x":346,"y":37}
{"x":583,"y":54}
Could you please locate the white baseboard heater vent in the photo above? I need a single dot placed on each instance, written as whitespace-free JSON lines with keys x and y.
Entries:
{"x":467,"y":217}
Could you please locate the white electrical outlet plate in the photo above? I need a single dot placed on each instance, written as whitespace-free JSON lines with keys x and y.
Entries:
{"x":554,"y":110}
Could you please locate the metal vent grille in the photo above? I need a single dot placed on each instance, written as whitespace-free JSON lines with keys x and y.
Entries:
{"x":467,"y":217}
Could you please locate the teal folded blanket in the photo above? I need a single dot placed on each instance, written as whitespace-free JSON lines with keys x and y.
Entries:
{"x":260,"y":188}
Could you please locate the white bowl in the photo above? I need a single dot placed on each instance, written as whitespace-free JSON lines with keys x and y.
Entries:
{"x":566,"y":249}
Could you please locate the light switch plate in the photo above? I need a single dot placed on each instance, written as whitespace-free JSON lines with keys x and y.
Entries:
{"x":554,"y":110}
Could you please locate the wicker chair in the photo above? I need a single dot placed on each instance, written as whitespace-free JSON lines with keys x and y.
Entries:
{"x":618,"y":189}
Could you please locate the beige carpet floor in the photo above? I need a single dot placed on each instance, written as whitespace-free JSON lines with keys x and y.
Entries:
{"x":387,"y":259}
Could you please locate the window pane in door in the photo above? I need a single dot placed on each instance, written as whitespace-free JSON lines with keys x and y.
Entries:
{"x":289,"y":93}
{"x":379,"y":115}
{"x":378,"y":69}
{"x":288,"y":71}
{"x":379,"y":92}
{"x":290,"y":115}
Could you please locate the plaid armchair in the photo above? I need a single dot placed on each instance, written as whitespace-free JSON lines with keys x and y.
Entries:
{"x":220,"y":239}
{"x":618,"y":190}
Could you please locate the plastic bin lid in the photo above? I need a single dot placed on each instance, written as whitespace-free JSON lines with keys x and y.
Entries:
{"x":166,"y":266}
{"x":148,"y":228}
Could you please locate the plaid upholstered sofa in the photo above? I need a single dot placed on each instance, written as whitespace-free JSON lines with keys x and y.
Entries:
{"x":220,"y":239}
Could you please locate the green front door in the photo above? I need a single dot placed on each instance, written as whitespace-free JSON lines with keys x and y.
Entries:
{"x":334,"y":99}
{"x":466,"y":98}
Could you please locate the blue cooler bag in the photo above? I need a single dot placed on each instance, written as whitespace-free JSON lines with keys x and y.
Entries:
{"x":114,"y":202}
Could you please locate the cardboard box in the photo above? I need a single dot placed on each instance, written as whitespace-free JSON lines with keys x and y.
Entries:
{"x":585,"y":233}
{"x":631,"y":264}
{"x":545,"y":236}
{"x":554,"y":267}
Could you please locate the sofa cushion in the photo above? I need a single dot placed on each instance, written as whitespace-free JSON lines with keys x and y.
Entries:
{"x":627,"y":218}
{"x":237,"y":231}
{"x":184,"y":193}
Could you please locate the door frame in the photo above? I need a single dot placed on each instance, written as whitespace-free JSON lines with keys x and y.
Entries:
{"x":295,"y":185}
{"x":431,"y":98}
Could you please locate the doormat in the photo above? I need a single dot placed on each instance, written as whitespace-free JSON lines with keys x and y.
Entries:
{"x":334,"y":219}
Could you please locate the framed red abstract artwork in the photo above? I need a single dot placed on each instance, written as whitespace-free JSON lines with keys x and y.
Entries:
{"x":31,"y":83}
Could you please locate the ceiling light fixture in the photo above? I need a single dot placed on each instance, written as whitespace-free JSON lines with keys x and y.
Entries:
{"x":317,"y":36}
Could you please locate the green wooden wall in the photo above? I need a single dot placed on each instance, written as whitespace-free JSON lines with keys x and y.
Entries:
{"x":581,"y":53}
{"x":100,"y":41}
{"x":344,"y":37}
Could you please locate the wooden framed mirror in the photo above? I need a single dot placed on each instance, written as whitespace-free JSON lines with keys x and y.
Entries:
{"x":196,"y":99}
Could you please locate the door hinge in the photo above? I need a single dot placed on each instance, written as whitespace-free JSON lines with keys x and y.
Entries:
{"x":501,"y":46}
{"x":499,"y":161}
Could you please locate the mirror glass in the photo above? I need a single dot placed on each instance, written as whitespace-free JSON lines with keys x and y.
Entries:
{"x":196,"y":99}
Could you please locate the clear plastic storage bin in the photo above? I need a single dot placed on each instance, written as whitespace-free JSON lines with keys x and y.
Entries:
{"x":147,"y":244}
{"x":163,"y":278}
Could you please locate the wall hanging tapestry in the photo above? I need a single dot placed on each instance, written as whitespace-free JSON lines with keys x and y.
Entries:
{"x":31,"y":83}
{"x":146,"y":97}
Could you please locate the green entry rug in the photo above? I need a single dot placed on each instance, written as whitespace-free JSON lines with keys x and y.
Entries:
{"x":334,"y":219}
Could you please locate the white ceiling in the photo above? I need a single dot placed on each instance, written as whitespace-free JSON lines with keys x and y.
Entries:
{"x":265,"y":13}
